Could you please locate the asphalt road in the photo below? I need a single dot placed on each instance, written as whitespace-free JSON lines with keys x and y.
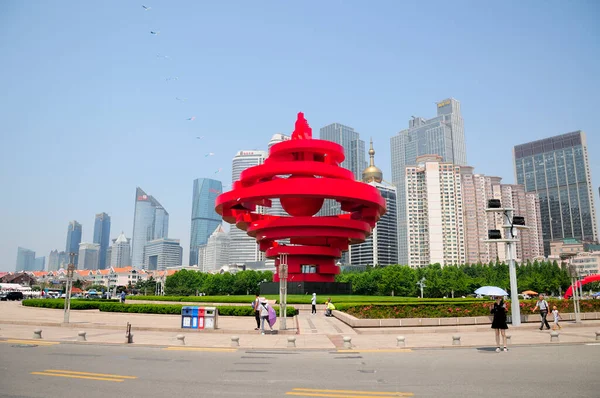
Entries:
{"x":127,"y":371}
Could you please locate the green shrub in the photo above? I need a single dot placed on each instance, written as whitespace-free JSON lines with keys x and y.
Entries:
{"x":76,"y":304}
{"x":175,"y":309}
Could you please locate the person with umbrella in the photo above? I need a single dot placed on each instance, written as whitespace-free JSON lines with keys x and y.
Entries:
{"x":498,"y":309}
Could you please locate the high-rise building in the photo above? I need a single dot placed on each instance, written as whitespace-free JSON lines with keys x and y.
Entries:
{"x":558,"y":170}
{"x":477,"y":189}
{"x":53,"y":261}
{"x":354,"y":152}
{"x":150,"y":222}
{"x":530,"y":245}
{"x":216,"y":251}
{"x":381,"y":248}
{"x":354,"y":147}
{"x":64,"y":259}
{"x":276,"y":209}
{"x":442,"y":135}
{"x":121,"y":252}
{"x":243,"y":248}
{"x":74,"y":232}
{"x":435,"y":215}
{"x":204,"y":217}
{"x":162,"y":253}
{"x":89,"y":255}
{"x":25,"y":260}
{"x":40,"y":263}
{"x":102,"y":238}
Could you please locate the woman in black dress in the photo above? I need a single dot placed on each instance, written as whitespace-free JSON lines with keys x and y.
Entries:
{"x":498,"y":309}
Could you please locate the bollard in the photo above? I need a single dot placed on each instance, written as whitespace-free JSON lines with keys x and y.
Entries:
{"x":553,"y":336}
{"x":508,"y":340}
{"x":455,"y":339}
{"x":347,"y":342}
{"x":81,"y":336}
{"x":597,"y":335}
{"x":400,"y":341}
{"x":128,"y":334}
{"x":37,"y":334}
{"x":235,"y":341}
{"x":291,"y":342}
{"x":180,"y":339}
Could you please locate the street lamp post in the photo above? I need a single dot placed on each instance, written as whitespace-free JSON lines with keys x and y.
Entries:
{"x":69,"y":287}
{"x":283,"y":276}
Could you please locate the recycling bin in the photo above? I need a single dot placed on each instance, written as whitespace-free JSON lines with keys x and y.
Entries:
{"x":192,"y":317}
{"x":211,"y":317}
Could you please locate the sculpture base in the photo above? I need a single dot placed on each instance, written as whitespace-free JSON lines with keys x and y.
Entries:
{"x":308,"y":288}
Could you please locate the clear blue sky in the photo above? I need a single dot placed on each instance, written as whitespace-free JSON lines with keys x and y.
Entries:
{"x":86,"y":114}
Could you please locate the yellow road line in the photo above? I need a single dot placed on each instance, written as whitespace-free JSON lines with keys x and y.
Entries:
{"x":77,"y":377}
{"x":200,"y":349}
{"x":298,"y":391}
{"x":38,"y":342}
{"x":89,"y":374}
{"x":376,"y":350}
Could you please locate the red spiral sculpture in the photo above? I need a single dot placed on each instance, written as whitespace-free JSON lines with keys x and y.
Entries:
{"x":302,"y":173}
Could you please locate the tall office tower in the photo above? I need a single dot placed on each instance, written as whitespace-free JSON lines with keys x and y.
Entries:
{"x":40,"y":263}
{"x":163,"y":253}
{"x":150,"y":221}
{"x":204,"y":217}
{"x":434,"y":213}
{"x":216,"y":251}
{"x":477,"y":189}
{"x":53,"y":261}
{"x":121,"y":252}
{"x":201,"y":252}
{"x":102,"y":238}
{"x":381,"y":248}
{"x":243,"y":249}
{"x":558,"y":170}
{"x":442,"y":135}
{"x":74,"y":232}
{"x":530,"y":244}
{"x":89,"y":255}
{"x":354,"y":152}
{"x":276,"y":209}
{"x":64,"y":259}
{"x":25,"y":260}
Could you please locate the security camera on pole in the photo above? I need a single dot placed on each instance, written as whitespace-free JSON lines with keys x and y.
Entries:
{"x":510,"y":224}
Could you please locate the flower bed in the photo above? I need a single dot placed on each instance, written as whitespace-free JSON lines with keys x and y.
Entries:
{"x":448,"y":310}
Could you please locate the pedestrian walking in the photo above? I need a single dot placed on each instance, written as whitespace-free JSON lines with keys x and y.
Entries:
{"x":123,"y":297}
{"x":498,"y":309}
{"x":313,"y":302}
{"x":256,"y":308}
{"x":264,"y":316}
{"x":544,"y":308}
{"x":556,"y":318}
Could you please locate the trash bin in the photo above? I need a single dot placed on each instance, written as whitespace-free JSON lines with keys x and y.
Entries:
{"x":211,"y":317}
{"x":200,"y":318}
{"x":192,"y":317}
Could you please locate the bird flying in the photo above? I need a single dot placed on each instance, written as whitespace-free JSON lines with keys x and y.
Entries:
{"x":146,"y":8}
{"x":191,"y":118}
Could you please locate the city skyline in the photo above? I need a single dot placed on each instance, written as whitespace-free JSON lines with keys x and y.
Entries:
{"x":154,"y":146}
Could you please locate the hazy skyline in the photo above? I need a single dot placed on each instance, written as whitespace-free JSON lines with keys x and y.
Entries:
{"x":89,"y":111}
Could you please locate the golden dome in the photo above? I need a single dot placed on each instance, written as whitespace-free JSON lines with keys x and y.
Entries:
{"x":372,"y":173}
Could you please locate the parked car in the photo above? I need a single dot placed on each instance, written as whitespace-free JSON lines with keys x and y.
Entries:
{"x":12,"y":296}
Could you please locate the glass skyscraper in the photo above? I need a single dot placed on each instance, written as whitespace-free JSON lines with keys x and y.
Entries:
{"x":150,"y":221}
{"x":25,"y":260}
{"x":74,"y":232}
{"x":204,"y":218}
{"x":442,"y":135}
{"x":557,"y":169}
{"x":102,"y":238}
{"x":354,"y":147}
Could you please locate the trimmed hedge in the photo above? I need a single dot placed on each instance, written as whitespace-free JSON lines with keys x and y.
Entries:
{"x":301,"y":299}
{"x":76,"y":304}
{"x":116,"y":306}
{"x":440,"y":309}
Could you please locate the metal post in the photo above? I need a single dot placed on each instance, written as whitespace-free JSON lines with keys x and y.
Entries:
{"x":512,"y":270}
{"x":283,"y":275}
{"x":68,"y":287}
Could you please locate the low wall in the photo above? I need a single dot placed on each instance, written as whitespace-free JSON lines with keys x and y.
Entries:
{"x":460,"y":321}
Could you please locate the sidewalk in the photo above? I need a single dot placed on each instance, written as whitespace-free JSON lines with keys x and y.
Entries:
{"x":310,"y":331}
